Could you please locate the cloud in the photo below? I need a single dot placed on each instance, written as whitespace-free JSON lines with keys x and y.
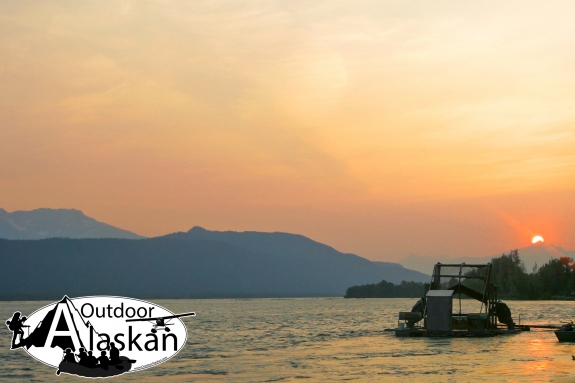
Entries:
{"x":283,"y":104}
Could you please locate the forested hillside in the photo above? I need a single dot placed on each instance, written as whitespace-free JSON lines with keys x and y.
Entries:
{"x":554,"y":280}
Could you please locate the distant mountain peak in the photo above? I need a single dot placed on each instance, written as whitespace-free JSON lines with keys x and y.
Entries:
{"x":197,"y":229}
{"x":534,"y":254}
{"x":48,"y":223}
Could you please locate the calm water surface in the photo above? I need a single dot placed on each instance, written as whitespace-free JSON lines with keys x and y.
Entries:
{"x":329,"y":339}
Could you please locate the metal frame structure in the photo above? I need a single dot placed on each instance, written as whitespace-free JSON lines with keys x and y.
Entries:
{"x":488,"y":297}
{"x":482,"y":324}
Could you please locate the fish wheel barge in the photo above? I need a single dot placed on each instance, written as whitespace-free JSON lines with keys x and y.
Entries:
{"x":433,"y":314}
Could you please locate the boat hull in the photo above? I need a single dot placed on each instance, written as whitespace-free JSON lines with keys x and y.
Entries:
{"x":565,"y":336}
{"x":95,"y":372}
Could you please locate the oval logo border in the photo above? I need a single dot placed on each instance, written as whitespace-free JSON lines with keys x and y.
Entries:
{"x":141,"y":368}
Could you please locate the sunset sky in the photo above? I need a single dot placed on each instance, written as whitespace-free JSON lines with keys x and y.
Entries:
{"x":382,"y":128}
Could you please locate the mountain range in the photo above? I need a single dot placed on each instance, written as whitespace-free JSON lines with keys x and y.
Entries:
{"x":74,"y":254}
{"x":196,"y":264}
{"x":50,"y":223}
{"x":536,"y":254}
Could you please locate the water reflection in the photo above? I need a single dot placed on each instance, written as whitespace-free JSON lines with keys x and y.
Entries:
{"x":260,"y":340}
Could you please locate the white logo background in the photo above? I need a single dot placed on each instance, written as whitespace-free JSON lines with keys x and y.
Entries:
{"x":107,"y":316}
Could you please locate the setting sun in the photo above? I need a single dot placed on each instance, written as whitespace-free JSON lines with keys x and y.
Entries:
{"x":270,"y":116}
{"x":537,"y":239}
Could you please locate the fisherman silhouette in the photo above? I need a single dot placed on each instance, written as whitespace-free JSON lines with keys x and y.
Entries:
{"x":69,"y":357}
{"x":103,"y":360}
{"x":83,"y":357}
{"x":91,"y":360}
{"x":114,"y":354}
{"x":16,"y":326}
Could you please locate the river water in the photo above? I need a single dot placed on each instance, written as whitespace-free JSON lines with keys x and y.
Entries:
{"x":329,"y":339}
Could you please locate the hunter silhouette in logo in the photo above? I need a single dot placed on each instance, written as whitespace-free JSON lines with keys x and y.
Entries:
{"x":69,"y":330}
{"x":16,"y":326}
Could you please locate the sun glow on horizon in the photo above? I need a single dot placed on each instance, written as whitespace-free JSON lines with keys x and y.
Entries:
{"x":378,"y":128}
{"x":537,"y":239}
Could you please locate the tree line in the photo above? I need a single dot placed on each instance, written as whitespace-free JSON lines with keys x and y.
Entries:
{"x":553,"y":280}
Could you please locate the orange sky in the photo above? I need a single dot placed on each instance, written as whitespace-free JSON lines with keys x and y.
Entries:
{"x":380,"y":128}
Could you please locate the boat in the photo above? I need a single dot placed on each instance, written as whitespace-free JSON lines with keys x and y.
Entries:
{"x":433,"y":315}
{"x":96,"y":372}
{"x":565,"y":333}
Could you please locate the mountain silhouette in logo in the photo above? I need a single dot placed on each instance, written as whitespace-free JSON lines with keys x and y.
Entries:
{"x":39,"y":335}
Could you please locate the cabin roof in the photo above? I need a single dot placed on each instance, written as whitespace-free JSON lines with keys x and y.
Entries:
{"x":440,"y":293}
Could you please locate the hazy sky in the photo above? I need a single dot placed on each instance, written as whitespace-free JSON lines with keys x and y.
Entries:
{"x":382,"y":128}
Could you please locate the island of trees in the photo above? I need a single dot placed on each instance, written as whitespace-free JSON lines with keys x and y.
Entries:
{"x":553,"y":280}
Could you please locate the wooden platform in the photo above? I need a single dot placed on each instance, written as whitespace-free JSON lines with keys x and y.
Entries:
{"x":417,"y":332}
